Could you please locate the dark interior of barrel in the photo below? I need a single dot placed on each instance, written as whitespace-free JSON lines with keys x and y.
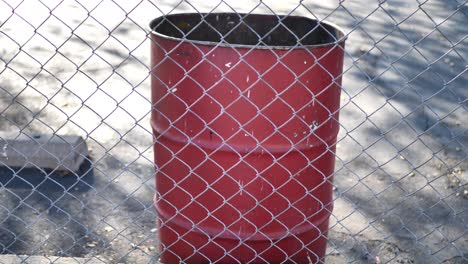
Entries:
{"x":269,"y":30}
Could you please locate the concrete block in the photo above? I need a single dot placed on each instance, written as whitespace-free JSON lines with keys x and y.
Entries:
{"x":63,"y":153}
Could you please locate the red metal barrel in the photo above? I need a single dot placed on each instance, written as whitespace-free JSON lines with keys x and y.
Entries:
{"x":245,"y":115}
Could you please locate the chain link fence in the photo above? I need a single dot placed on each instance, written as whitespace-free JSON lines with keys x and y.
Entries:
{"x":81,"y":69}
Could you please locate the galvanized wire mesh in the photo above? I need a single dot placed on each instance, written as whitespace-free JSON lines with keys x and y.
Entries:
{"x":83,"y":68}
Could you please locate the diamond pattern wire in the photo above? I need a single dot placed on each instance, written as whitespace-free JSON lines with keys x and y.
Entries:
{"x":225,"y":152}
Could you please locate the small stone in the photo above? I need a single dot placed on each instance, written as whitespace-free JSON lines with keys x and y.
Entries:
{"x":439,"y":166}
{"x":63,"y":173}
{"x":457,"y":149}
{"x":465,"y":192}
{"x":151,"y":248}
{"x":377,"y":260}
{"x":108,"y":229}
{"x":153,"y":230}
{"x":412,"y":174}
{"x":458,"y":123}
{"x":91,"y":244}
{"x":141,"y":236}
{"x":133,"y":245}
{"x":402,"y":158}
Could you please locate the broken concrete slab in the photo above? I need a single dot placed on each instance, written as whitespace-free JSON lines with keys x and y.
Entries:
{"x":56,"y":152}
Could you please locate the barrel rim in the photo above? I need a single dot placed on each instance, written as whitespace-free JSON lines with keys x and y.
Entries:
{"x":340,"y":41}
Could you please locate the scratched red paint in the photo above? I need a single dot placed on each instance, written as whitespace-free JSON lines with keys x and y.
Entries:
{"x":245,"y":149}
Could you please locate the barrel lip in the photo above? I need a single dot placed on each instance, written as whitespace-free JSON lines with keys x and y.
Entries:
{"x":340,"y":41}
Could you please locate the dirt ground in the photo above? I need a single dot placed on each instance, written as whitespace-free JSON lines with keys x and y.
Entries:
{"x":81,"y":67}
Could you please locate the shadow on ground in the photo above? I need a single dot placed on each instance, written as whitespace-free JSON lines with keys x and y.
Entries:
{"x":57,"y":214}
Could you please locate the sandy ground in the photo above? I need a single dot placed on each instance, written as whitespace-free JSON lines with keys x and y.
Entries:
{"x":81,"y":67}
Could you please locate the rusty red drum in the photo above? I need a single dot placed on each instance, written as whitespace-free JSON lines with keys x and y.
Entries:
{"x":245,"y":119}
